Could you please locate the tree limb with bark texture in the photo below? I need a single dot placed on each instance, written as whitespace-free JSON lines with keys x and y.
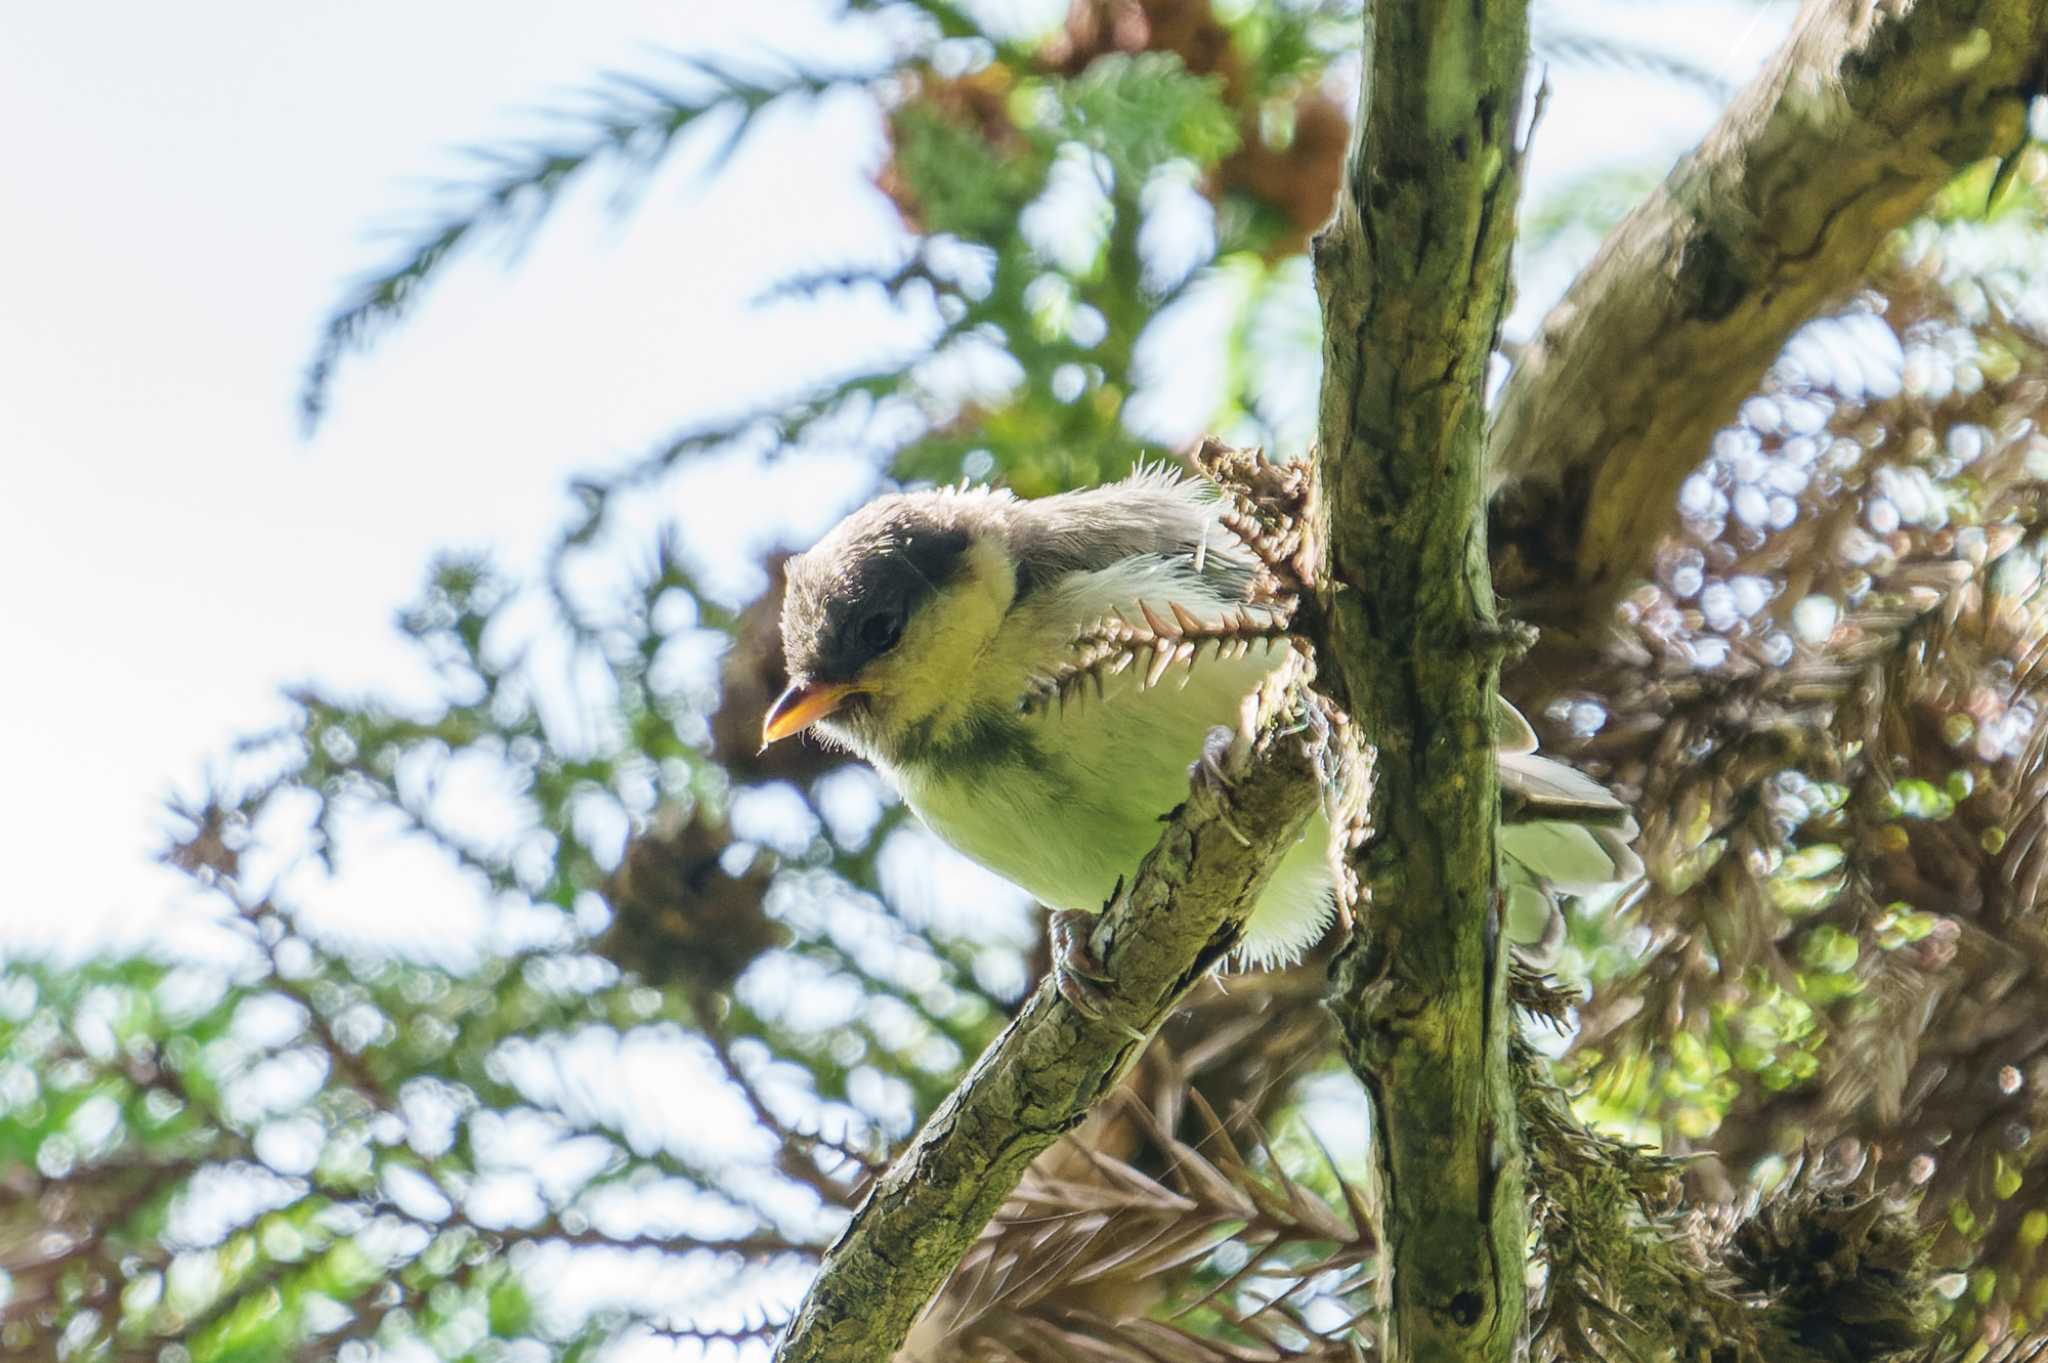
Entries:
{"x":1866,"y":111}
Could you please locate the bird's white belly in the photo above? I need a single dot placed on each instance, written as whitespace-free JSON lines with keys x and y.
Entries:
{"x":1069,"y":825}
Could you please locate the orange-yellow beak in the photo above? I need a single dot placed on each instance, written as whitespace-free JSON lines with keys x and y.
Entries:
{"x":801,"y":706}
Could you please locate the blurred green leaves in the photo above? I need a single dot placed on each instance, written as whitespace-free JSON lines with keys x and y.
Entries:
{"x":633,"y":1039}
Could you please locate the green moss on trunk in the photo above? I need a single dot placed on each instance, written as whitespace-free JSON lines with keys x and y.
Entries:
{"x":1413,"y":275}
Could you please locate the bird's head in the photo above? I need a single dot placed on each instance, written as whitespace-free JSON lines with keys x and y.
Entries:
{"x":887,"y":619}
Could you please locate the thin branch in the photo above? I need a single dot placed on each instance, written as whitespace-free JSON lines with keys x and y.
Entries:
{"x":625,"y":121}
{"x":762,"y":1247}
{"x":794,"y":1157}
{"x":1567,"y":46}
{"x":1039,"y":1079}
{"x":1865,"y":113}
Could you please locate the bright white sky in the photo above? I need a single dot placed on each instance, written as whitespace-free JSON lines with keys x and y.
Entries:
{"x":193,"y":194}
{"x":193,"y":188}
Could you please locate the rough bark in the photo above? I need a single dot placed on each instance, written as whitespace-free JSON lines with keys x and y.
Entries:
{"x":1041,"y":1076}
{"x":1866,"y":111}
{"x":1413,"y":277}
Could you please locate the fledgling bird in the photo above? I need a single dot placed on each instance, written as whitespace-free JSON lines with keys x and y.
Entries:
{"x":927,"y":631}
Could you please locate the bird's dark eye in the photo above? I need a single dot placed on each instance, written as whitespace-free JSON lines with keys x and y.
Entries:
{"x":881,"y":630}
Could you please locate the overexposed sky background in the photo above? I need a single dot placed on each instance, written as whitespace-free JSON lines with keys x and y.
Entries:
{"x":194,"y":188}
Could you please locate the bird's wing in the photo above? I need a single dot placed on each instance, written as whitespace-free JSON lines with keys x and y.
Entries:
{"x":1546,"y":797}
{"x":1512,"y":733}
{"x":1549,"y":787}
{"x":1154,"y":513}
{"x":1571,"y":856}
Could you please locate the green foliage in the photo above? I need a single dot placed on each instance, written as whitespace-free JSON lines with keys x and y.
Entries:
{"x":1142,"y":112}
{"x":1845,"y":887}
{"x":333,"y":1109}
{"x":355,"y":1202}
{"x":460,"y":1133}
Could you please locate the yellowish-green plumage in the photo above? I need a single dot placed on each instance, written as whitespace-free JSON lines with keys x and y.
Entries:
{"x":942,"y":615}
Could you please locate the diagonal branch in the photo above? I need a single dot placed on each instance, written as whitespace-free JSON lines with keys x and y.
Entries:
{"x":1867,"y":110}
{"x":1041,"y":1076}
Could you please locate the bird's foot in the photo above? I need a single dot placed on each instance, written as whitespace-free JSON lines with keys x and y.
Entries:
{"x":1080,"y":977}
{"x":1076,"y":972}
{"x":1224,"y":753}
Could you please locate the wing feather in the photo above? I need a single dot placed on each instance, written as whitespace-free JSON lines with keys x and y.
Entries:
{"x":1154,"y":513}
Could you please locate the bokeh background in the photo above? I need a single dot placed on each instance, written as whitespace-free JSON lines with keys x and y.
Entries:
{"x":194,"y":200}
{"x":409,"y":956}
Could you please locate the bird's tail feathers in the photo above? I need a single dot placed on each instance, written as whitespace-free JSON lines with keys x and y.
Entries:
{"x":1543,"y":787}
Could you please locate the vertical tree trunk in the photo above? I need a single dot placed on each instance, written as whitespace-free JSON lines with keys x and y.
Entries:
{"x":1413,"y":278}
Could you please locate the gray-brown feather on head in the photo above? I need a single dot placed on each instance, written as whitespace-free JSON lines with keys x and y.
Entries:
{"x":850,"y":595}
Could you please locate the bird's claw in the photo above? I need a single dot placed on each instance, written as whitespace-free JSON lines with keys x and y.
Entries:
{"x":1078,"y":975}
{"x":1224,"y":753}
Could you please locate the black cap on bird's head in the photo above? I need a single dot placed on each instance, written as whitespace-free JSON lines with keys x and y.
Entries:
{"x":853,"y":594}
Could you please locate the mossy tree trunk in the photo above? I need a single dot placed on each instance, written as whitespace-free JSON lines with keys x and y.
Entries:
{"x":1413,"y":273}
